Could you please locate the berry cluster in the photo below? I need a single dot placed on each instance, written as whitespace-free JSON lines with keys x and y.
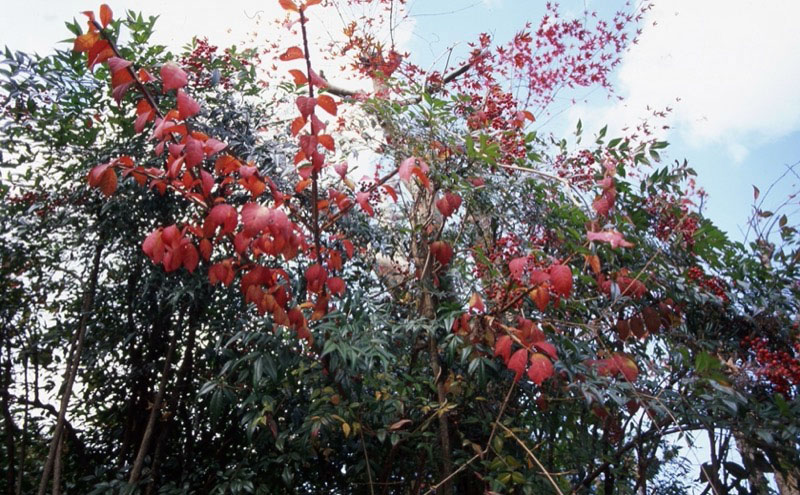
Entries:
{"x":781,"y":368}
{"x":713,"y":285}
{"x":203,"y":59}
{"x":500,"y":254}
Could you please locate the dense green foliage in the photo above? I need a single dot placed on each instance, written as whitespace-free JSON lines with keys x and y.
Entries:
{"x":249,"y":408}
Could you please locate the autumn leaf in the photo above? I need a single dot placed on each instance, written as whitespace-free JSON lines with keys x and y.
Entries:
{"x":224,"y":215}
{"x":610,"y":236}
{"x":288,"y":5}
{"x":306,"y":106}
{"x":187,"y":107}
{"x":476,"y":303}
{"x":292,"y":53}
{"x":518,"y":362}
{"x":298,"y":76}
{"x":502,"y":347}
{"x":85,"y":42}
{"x":316,"y":276}
{"x":104,"y":178}
{"x":442,"y":252}
{"x":336,"y":286}
{"x":362,"y":198}
{"x":327,"y":103}
{"x":540,"y":369}
{"x":255,"y":218}
{"x":105,"y":15}
{"x":221,"y":272}
{"x":561,"y":279}
{"x":547,"y":348}
{"x":173,"y":77}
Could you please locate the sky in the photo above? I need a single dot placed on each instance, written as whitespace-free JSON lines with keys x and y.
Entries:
{"x":728,"y":69}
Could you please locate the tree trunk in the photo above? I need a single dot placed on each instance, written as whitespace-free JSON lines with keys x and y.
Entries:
{"x":72,"y":368}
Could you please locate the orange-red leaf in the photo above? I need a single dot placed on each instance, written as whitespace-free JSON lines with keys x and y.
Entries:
{"x":224,"y":215}
{"x":288,"y":5}
{"x":362,"y":198}
{"x":105,"y":15}
{"x":292,"y":53}
{"x":299,"y":77}
{"x":540,"y":368}
{"x":84,"y":42}
{"x":327,"y":103}
{"x":442,"y":252}
{"x":502,"y":347}
{"x":561,"y":279}
{"x":517,"y":363}
{"x":297,"y":125}
{"x":336,"y":285}
{"x":173,"y":77}
{"x":187,"y":106}
{"x":327,"y":141}
{"x":105,"y":178}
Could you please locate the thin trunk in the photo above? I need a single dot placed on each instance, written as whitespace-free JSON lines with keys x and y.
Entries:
{"x":175,"y":400}
{"x":154,"y":412}
{"x":57,"y":466}
{"x":11,"y":429}
{"x":72,"y":368}
{"x":425,"y":305}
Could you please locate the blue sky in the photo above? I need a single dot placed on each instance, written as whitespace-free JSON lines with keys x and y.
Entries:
{"x":734,"y":65}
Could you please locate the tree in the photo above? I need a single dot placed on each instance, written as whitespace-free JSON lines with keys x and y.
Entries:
{"x":493,"y":311}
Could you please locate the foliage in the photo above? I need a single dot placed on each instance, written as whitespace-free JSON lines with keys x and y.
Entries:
{"x":494,"y":311}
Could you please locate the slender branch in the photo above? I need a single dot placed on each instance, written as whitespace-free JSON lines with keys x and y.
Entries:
{"x":72,"y":368}
{"x":314,"y":171}
{"x":136,"y":471}
{"x":532,"y":456}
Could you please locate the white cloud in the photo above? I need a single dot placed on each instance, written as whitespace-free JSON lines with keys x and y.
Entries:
{"x":733,"y":64}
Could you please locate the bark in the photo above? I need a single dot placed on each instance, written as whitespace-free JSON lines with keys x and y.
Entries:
{"x":11,"y":430}
{"x":72,"y":368}
{"x":57,"y":466}
{"x":424,"y":216}
{"x":136,"y":471}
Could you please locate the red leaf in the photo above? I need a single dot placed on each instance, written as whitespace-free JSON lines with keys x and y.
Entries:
{"x":99,"y":52}
{"x":187,"y":107}
{"x":442,"y":252}
{"x":390,"y":191}
{"x":172,"y":76}
{"x":561,"y":279}
{"x":221,"y":272}
{"x":327,"y":103}
{"x":105,"y":15}
{"x":288,"y":5}
{"x":306,"y":106}
{"x":547,"y":348}
{"x":224,"y":215}
{"x":362,"y":199}
{"x":327,"y":141}
{"x":297,"y":125}
{"x":85,"y":42}
{"x":502,"y":347}
{"x":610,"y":236}
{"x":103,"y":177}
{"x":540,"y":369}
{"x":341,"y":169}
{"x":291,"y":54}
{"x":476,"y":303}
{"x":116,"y":64}
{"x":517,"y":268}
{"x":299,"y":77}
{"x":348,"y":248}
{"x":540,"y":296}
{"x":193,"y":152}
{"x":336,"y":285}
{"x":189,"y":257}
{"x":205,"y":249}
{"x":153,"y":246}
{"x":315,"y":278}
{"x":517,"y":363}
{"x":255,"y":218}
